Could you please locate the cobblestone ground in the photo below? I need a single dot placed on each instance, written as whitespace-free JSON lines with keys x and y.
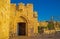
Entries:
{"x":41,"y":36}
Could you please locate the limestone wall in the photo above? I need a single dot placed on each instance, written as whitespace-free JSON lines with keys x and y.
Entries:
{"x":10,"y":14}
{"x":4,"y":18}
{"x":26,"y":11}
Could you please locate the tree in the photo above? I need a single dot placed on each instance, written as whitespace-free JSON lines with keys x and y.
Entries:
{"x":51,"y":26}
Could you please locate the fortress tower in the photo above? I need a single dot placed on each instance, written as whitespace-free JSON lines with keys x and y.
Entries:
{"x":4,"y":18}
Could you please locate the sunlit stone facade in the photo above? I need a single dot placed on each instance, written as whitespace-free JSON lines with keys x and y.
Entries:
{"x":17,"y":20}
{"x":24,"y":14}
{"x":4,"y":18}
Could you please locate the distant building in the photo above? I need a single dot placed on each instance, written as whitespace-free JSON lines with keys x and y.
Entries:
{"x":52,"y":24}
{"x":43,"y":24}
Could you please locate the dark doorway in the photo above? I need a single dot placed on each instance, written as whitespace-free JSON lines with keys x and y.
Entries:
{"x":21,"y":28}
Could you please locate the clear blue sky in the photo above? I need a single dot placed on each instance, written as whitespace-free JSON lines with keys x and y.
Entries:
{"x":45,"y":8}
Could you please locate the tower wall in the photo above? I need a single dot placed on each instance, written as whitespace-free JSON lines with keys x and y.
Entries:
{"x":4,"y":18}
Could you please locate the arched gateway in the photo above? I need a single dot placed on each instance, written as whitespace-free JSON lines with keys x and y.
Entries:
{"x":21,"y":25}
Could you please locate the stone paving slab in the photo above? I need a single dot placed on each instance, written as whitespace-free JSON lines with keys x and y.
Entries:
{"x":41,"y":36}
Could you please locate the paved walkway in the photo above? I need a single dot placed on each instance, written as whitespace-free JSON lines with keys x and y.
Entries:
{"x":41,"y":36}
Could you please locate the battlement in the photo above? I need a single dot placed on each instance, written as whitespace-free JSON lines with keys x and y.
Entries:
{"x":26,"y":5}
{"x":22,"y":6}
{"x":13,"y":5}
{"x":29,"y":5}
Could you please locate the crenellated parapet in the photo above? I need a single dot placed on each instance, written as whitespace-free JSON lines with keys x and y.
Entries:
{"x":29,"y":7}
{"x":13,"y":6}
{"x":23,"y":7}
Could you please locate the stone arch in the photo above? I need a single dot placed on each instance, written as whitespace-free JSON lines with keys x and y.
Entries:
{"x":24,"y":20}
